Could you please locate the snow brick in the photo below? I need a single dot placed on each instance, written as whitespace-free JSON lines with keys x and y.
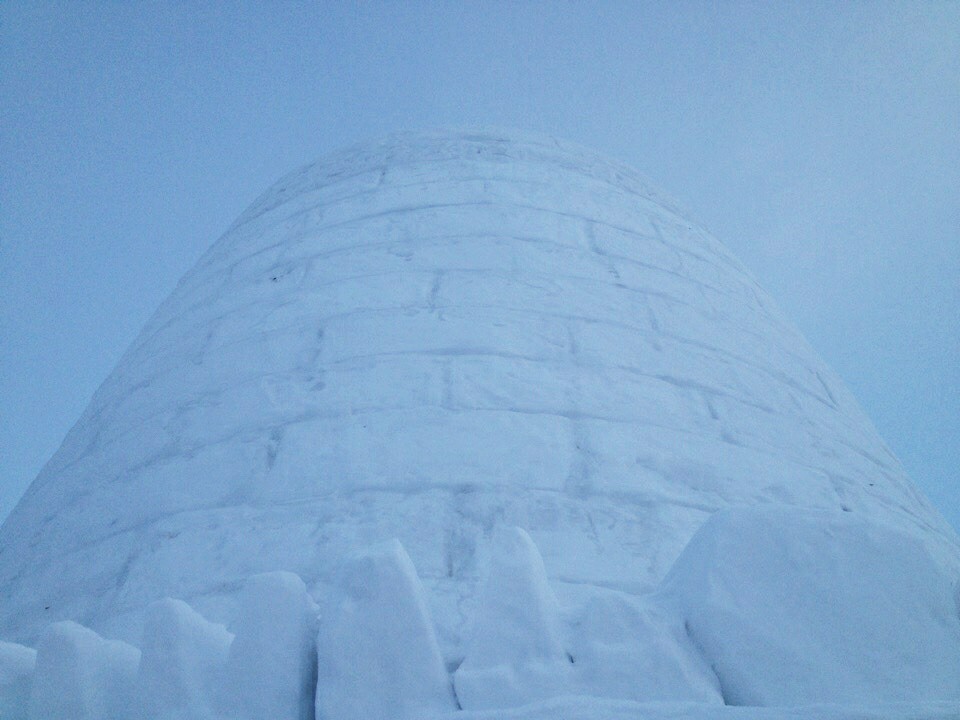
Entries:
{"x":273,"y":661}
{"x":377,"y":648}
{"x":183,"y":658}
{"x":514,"y":653}
{"x":81,"y":676}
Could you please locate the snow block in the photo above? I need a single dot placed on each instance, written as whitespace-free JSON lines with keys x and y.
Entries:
{"x":273,"y":660}
{"x":16,"y":671}
{"x":182,"y":662}
{"x":631,"y":649}
{"x":514,"y":654}
{"x":794,"y":607}
{"x":377,"y":649}
{"x":81,"y":676}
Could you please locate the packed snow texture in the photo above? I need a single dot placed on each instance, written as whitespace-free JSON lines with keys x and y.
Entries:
{"x":377,"y":650}
{"x":17,"y":664}
{"x":514,"y":653}
{"x":438,"y":338}
{"x":82,"y":676}
{"x":635,"y":648}
{"x":797,"y":607}
{"x":182,"y":663}
{"x":272,"y":668}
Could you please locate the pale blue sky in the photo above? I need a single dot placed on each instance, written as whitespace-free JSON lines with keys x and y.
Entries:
{"x":820,"y":142}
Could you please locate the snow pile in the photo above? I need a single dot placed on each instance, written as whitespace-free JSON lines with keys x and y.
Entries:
{"x":16,"y":672}
{"x":273,"y":662}
{"x":795,"y":608}
{"x":81,"y":676}
{"x":182,"y":662}
{"x":514,"y":654}
{"x":377,"y":651}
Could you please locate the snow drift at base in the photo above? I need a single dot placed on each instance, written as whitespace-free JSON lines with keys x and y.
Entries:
{"x":767,"y":613}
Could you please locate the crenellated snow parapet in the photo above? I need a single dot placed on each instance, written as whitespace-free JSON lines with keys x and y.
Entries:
{"x":764,"y":608}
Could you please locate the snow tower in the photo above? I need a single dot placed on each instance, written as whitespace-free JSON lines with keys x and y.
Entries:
{"x":428,"y":339}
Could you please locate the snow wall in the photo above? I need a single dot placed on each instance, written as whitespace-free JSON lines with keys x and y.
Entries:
{"x":764,"y":608}
{"x":428,"y":338}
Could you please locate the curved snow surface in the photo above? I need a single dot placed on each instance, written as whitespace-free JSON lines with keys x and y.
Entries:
{"x":427,"y":339}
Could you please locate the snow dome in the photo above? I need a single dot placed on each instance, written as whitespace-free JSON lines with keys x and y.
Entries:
{"x":465,"y":342}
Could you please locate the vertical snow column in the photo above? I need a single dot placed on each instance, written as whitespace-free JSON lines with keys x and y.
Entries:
{"x":377,"y":648}
{"x":514,"y":653}
{"x":16,"y":670}
{"x":183,"y":658}
{"x":271,"y":672}
{"x":82,"y":676}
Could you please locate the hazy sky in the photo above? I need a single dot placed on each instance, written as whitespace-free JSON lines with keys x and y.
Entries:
{"x":820,"y":142}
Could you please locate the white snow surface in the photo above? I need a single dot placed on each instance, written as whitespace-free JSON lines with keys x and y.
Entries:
{"x":272,"y":667}
{"x":182,"y":664}
{"x":514,"y":651}
{"x":588,"y":708}
{"x":17,"y":664}
{"x":440,"y":337}
{"x":637,"y":649}
{"x":82,"y":676}
{"x":377,"y":652}
{"x":801,"y":607}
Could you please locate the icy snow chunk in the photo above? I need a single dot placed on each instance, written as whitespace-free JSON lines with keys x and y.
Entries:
{"x":16,"y":670}
{"x":273,"y":662}
{"x":81,"y":676}
{"x":514,"y":653}
{"x":377,"y":649}
{"x":183,"y":658}
{"x":635,"y":650}
{"x":793,"y":607}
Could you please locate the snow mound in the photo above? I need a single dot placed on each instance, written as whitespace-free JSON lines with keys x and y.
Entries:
{"x":795,"y":608}
{"x":16,"y":672}
{"x":514,"y":654}
{"x":377,"y":650}
{"x":81,"y":676}
{"x":273,"y":660}
{"x":183,"y":656}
